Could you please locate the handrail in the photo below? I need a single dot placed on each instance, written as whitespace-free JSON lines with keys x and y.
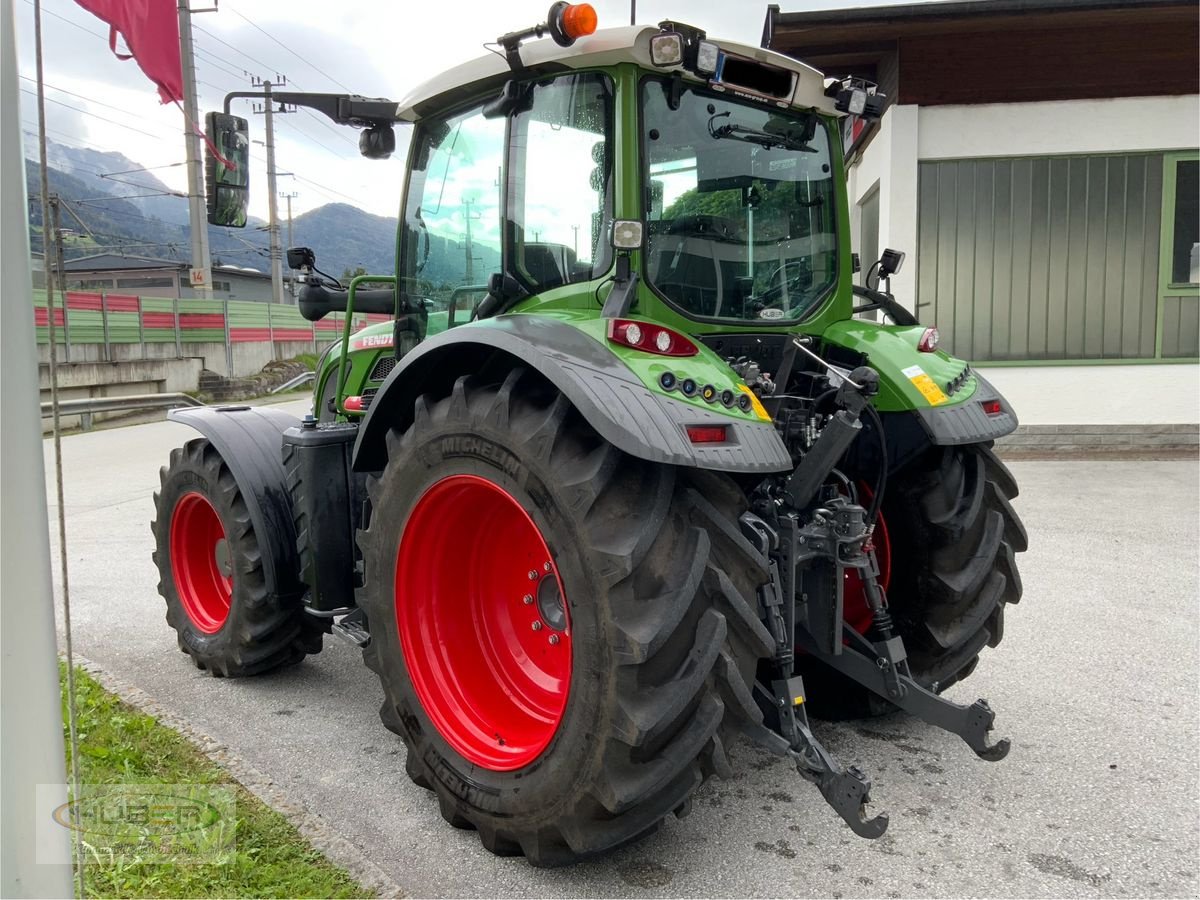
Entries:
{"x":354,"y":283}
{"x":300,"y":379}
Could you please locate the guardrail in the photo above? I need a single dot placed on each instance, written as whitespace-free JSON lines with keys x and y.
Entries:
{"x":302,"y":378}
{"x":86,"y":407}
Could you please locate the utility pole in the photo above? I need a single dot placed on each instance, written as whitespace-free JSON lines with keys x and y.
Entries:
{"x":289,"y":196}
{"x":272,"y":194}
{"x":201,"y":274}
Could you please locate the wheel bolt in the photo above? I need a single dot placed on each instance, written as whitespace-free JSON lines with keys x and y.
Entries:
{"x":554,"y":639}
{"x":527,"y":599}
{"x":537,"y":626}
{"x":533,"y":576}
{"x":547,"y":567}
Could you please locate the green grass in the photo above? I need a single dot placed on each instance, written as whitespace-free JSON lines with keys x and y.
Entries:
{"x":309,"y":360}
{"x":119,"y":745}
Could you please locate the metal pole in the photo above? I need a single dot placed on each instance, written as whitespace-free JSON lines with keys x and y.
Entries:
{"x":60,"y":277}
{"x":228,"y":345}
{"x":175,"y":309}
{"x":291,"y":276}
{"x":104,"y":326}
{"x":141,"y":326}
{"x":271,"y":330}
{"x":31,"y":738}
{"x":632,"y":12}
{"x":197,"y":205}
{"x":273,"y":202}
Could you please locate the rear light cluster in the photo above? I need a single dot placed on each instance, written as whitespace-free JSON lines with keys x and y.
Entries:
{"x":650,"y":337}
{"x":706,"y":434}
{"x":991,"y":407}
{"x":669,"y":381}
{"x":929,"y":340}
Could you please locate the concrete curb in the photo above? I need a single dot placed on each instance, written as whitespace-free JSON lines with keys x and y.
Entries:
{"x":338,"y":849}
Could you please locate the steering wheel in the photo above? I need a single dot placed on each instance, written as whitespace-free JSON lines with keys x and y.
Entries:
{"x":772,"y":297}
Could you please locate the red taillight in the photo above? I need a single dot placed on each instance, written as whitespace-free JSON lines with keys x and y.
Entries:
{"x":929,"y":340}
{"x":353,"y":404}
{"x":991,"y":407}
{"x":706,"y":434}
{"x":650,"y":337}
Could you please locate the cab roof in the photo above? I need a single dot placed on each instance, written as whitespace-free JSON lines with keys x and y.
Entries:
{"x":608,"y":47}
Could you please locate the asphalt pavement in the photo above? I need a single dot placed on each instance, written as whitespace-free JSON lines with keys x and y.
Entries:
{"x":1095,"y":683}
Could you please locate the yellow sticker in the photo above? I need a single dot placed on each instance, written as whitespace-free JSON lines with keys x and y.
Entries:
{"x":755,"y":403}
{"x":928,"y":389}
{"x":796,"y":701}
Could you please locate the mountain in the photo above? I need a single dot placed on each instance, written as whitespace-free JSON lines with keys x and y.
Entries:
{"x":112,"y":216}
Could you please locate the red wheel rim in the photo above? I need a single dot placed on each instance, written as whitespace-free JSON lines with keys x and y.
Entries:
{"x":855,"y":610}
{"x":200,"y":562}
{"x":483,"y":622}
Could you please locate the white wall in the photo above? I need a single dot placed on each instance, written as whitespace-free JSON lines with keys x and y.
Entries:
{"x":1042,"y":395}
{"x":1100,"y":395}
{"x":1119,"y":125}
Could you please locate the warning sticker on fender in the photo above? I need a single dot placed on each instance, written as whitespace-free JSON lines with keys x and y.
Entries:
{"x":923,"y":383}
{"x":929,"y":390}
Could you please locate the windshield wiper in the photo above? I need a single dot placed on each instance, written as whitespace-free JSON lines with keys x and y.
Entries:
{"x":764,"y":139}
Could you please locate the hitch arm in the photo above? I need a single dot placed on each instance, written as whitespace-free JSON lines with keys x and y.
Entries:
{"x":860,"y":661}
{"x":848,"y":791}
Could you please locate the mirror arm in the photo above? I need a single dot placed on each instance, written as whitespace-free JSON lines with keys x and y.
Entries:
{"x":343,"y":109}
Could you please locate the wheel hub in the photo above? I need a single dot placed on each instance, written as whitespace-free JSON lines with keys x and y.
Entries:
{"x":201,"y":562}
{"x":483,"y":622}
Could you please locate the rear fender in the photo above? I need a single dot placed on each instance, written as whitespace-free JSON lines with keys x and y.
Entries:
{"x":944,"y":394}
{"x":606,"y":392}
{"x":250,"y":442}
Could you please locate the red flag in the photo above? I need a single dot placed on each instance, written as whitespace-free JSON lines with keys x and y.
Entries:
{"x":150,"y":29}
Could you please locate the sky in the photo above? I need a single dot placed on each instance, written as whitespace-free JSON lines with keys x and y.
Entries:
{"x":377,"y":49}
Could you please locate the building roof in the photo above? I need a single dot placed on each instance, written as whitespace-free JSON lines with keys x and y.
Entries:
{"x":1002,"y":51}
{"x":906,"y":16}
{"x":113,"y":262}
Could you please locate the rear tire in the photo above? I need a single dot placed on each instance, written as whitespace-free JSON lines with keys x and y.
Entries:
{"x":659,"y":591}
{"x":228,"y":619}
{"x":954,"y":538}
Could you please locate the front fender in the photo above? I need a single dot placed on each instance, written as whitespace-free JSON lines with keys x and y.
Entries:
{"x":613,"y":400}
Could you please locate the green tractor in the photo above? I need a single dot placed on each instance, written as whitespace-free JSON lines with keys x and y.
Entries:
{"x":632,"y":472}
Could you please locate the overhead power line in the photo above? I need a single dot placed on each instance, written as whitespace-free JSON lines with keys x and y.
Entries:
{"x":302,"y":59}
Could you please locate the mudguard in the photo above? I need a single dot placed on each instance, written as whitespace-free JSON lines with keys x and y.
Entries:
{"x":612,"y":399}
{"x":249,"y":439}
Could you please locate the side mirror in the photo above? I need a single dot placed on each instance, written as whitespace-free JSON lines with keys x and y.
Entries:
{"x":890,"y":263}
{"x":228,"y":179}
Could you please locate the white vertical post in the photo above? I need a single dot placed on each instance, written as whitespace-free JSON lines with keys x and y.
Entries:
{"x":31,"y":741}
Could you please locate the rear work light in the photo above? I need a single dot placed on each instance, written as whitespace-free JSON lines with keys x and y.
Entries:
{"x":650,"y":338}
{"x":991,"y":407}
{"x":706,"y":434}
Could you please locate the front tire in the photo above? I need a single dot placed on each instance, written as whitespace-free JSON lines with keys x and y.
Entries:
{"x":492,"y":492}
{"x":228,"y":619}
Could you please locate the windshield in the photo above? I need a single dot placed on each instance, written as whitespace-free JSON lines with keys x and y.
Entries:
{"x":740,"y":206}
